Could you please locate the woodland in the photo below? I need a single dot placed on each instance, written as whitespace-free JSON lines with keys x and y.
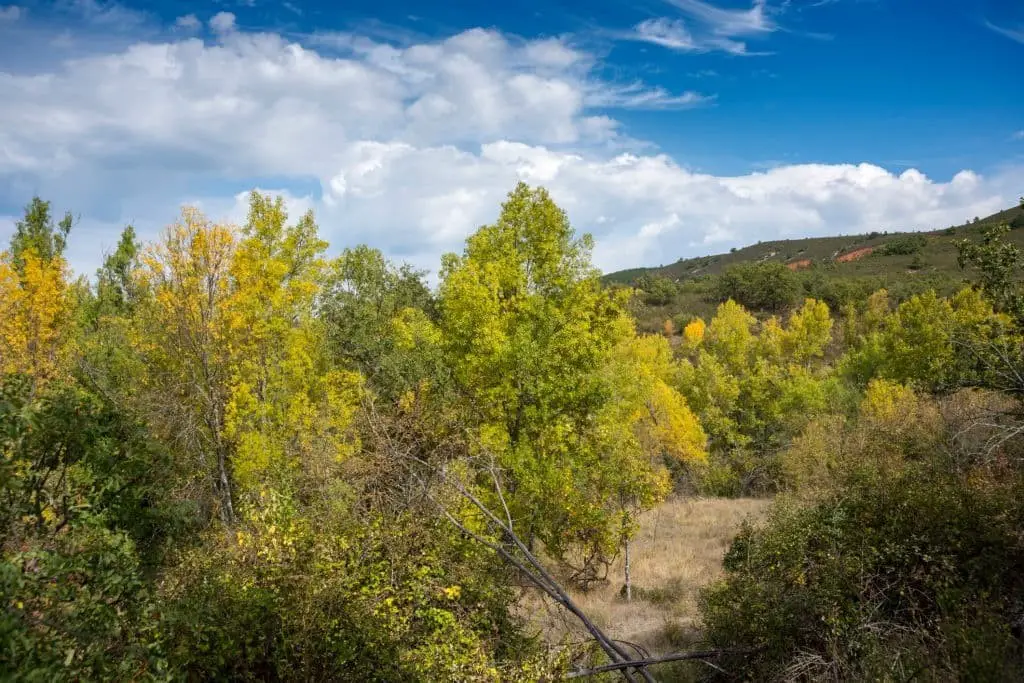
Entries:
{"x":230,"y":456}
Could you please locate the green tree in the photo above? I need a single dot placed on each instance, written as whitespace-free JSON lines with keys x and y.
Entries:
{"x":765,"y":286}
{"x":37,"y":232}
{"x":528,"y":329}
{"x":363,"y":296}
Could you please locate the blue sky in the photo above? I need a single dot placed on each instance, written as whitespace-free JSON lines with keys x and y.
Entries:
{"x":667,"y":128}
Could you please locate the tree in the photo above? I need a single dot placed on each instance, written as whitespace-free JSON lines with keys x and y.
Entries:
{"x":288,"y":410}
{"x":765,"y":286}
{"x":183,"y":338}
{"x":528,"y":330}
{"x":998,"y":263}
{"x":36,"y":232}
{"x":36,"y":314}
{"x":363,"y":296}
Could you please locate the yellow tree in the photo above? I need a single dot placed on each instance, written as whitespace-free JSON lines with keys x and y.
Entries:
{"x":182,"y":333}
{"x":288,"y":411}
{"x":36,"y":314}
{"x":546,"y":361}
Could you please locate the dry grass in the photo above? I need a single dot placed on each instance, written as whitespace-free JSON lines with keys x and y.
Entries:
{"x":678,"y":550}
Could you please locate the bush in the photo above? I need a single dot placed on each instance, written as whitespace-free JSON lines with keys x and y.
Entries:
{"x":767,"y":286}
{"x":82,"y":513}
{"x":890,"y":576}
{"x":905,"y":245}
{"x":657,"y":290}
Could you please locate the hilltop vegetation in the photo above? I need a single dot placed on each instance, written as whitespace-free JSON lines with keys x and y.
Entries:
{"x":230,"y":457}
{"x":835,"y":269}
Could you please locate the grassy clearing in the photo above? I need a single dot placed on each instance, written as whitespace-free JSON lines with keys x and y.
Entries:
{"x":677,"y":551}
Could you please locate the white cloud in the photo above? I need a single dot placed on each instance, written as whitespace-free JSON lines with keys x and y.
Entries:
{"x":713,"y":29}
{"x":223,"y":22}
{"x":111,"y":15}
{"x":11,"y":13}
{"x":729,"y":22}
{"x":188,"y":22}
{"x":1016,"y":33}
{"x":1019,"y":135}
{"x":410,"y":148}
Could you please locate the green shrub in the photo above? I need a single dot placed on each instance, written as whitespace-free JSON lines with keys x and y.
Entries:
{"x":766,"y":286}
{"x":904,"y":245}
{"x":889,"y":577}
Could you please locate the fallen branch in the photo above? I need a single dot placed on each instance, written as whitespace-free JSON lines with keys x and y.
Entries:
{"x":650,"y":661}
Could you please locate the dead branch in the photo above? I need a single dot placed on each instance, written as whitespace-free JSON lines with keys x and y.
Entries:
{"x":650,"y":661}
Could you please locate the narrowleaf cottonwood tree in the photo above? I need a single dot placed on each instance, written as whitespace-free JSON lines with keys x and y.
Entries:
{"x":556,"y":382}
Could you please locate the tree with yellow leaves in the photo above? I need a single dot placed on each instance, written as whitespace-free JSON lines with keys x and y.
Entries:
{"x":36,"y":314}
{"x":576,"y":409}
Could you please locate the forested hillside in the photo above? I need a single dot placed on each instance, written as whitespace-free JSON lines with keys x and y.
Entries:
{"x":229,"y":456}
{"x":836,"y":269}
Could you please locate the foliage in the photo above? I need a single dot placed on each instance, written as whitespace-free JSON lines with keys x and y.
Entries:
{"x":897,"y":572}
{"x":36,"y":312}
{"x":753,"y":385}
{"x":36,"y":233}
{"x":999,"y":264}
{"x":536,"y":345}
{"x":83,"y":512}
{"x":767,"y":286}
{"x":904,"y":245}
{"x":363,"y":296}
{"x":657,"y":291}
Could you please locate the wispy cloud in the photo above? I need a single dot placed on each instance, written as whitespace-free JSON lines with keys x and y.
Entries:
{"x":107,"y":14}
{"x":639,"y":96}
{"x":1016,"y":34}
{"x":729,"y":22}
{"x":292,"y":8}
{"x":707,"y":28}
{"x":11,"y":13}
{"x":1019,"y":135}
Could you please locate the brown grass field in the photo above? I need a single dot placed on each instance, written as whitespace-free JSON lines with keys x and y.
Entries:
{"x":677,"y":551}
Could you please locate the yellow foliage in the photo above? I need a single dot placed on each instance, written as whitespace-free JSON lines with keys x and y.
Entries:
{"x":34,"y":317}
{"x":693,"y":333}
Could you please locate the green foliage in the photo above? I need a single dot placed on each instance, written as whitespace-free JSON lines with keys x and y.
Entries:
{"x":115,"y":286}
{"x":657,"y":291}
{"x":363,"y":296}
{"x":767,"y":286}
{"x":895,"y":574}
{"x":905,"y":245}
{"x":84,"y":511}
{"x":753,"y":386}
{"x":313,"y":598}
{"x":534,"y":345}
{"x":36,"y":232}
{"x":999,"y":264}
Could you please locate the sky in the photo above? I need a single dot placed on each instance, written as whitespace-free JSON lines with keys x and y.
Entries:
{"x":665,"y":128}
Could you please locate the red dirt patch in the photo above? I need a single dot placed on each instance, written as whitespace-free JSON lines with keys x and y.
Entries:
{"x":855,"y":254}
{"x":799,"y":265}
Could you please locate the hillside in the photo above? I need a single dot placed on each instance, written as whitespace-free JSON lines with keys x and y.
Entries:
{"x":937,"y":255}
{"x":834,"y":269}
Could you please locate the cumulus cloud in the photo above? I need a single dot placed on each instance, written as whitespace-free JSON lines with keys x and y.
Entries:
{"x":222,"y":22}
{"x":410,"y":147}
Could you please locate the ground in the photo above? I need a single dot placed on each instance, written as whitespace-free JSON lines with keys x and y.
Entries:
{"x":678,"y":550}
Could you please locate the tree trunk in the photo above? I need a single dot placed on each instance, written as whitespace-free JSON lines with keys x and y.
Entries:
{"x":629,"y":583}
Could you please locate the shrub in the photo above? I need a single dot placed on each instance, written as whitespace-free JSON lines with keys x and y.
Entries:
{"x":767,"y":286}
{"x":657,"y":290}
{"x":904,"y":245}
{"x":891,"y":576}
